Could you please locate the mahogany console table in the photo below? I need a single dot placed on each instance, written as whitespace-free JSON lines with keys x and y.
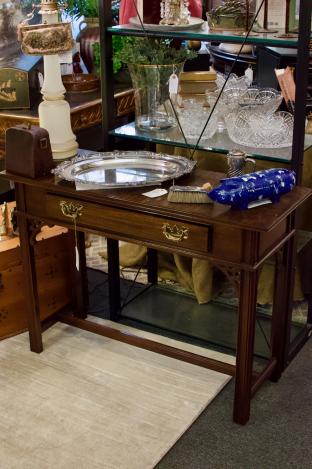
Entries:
{"x":236,"y":242}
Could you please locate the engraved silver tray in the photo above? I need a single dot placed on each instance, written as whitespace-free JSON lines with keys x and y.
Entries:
{"x":123,"y":169}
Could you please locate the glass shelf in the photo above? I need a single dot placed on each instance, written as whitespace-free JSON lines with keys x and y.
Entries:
{"x":203,"y":34}
{"x":220,"y":142}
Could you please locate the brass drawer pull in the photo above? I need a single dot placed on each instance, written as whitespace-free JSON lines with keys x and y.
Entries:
{"x":71,"y":210}
{"x":174,"y":233}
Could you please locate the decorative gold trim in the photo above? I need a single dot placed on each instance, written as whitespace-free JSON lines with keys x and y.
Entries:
{"x":125,"y":103}
{"x":71,"y":210}
{"x":86,"y":117}
{"x":175,"y":233}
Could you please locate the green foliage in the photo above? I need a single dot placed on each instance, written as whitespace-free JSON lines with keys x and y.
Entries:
{"x":78,"y":8}
{"x":118,"y":43}
{"x":96,"y":57}
{"x":152,"y":51}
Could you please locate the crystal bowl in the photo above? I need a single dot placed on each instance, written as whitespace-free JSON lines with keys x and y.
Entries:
{"x":260,"y":130}
{"x":193,"y":117}
{"x":227,"y":103}
{"x":264,"y":100}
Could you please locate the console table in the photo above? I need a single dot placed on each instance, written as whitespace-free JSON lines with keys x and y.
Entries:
{"x":237,"y":242}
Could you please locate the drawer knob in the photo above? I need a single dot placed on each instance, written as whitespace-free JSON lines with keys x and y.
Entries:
{"x":71,"y":210}
{"x":174,"y":233}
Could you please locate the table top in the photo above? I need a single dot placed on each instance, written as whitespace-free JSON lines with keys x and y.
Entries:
{"x":262,"y":219}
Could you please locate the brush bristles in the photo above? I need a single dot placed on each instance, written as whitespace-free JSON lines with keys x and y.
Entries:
{"x":188,"y":195}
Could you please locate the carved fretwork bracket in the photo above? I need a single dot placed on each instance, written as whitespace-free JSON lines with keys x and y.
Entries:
{"x":233,"y":274}
{"x":35,"y":228}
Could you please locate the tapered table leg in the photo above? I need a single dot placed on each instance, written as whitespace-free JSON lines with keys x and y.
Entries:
{"x":27,"y":236}
{"x":152,"y":266}
{"x":245,"y":346}
{"x":282,"y":307}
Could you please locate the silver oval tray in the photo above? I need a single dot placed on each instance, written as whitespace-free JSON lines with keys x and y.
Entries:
{"x":124,"y":169}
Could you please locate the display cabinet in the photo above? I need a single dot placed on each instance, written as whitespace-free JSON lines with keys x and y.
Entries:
{"x":292,"y":157}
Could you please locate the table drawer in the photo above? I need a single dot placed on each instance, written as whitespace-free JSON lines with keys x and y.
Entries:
{"x":129,"y":225}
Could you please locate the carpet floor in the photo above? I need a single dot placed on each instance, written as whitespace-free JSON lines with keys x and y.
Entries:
{"x":91,"y":402}
{"x":278,"y":435}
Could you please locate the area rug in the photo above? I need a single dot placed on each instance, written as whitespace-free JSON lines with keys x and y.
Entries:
{"x":91,"y":402}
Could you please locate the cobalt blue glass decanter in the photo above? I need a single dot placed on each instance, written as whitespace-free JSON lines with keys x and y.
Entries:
{"x":266,"y":184}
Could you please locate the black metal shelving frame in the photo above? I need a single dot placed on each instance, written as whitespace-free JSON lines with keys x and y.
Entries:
{"x":302,"y":43}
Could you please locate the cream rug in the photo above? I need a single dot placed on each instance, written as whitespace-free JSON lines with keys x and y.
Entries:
{"x":91,"y":402}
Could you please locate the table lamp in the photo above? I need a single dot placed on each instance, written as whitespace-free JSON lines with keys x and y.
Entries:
{"x":50,"y":39}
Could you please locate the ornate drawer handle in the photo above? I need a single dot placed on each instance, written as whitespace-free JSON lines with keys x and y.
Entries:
{"x":174,"y":233}
{"x":71,"y":210}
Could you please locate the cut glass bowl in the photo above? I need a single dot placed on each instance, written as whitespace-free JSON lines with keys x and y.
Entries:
{"x":264,"y":100}
{"x":193,"y":117}
{"x":260,"y":130}
{"x":233,"y":82}
{"x":228,"y":102}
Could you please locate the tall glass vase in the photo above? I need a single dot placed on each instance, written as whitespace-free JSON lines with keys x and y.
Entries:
{"x":153,"y":109}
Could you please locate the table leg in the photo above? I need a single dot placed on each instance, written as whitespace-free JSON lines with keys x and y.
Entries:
{"x":282,"y":307}
{"x":152,"y":266}
{"x":32,"y":298}
{"x":113,"y":278}
{"x":27,"y":233}
{"x":245,"y":346}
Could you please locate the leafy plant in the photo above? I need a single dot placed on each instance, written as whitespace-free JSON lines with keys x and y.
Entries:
{"x":152,"y":51}
{"x":78,"y":8}
{"x":119,"y":43}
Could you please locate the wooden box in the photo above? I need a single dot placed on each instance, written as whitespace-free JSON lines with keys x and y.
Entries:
{"x":54,"y":279}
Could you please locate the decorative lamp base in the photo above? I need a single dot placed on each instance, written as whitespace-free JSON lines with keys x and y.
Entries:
{"x":55,"y":117}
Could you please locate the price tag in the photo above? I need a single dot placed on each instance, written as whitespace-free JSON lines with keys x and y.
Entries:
{"x":155,"y":193}
{"x":173,"y":84}
{"x":40,"y":79}
{"x":258,"y":203}
{"x":77,"y":258}
{"x":249,"y":75}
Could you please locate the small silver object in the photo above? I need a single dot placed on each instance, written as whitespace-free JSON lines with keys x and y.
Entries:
{"x":236,"y":161}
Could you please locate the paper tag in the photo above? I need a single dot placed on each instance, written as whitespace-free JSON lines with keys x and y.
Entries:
{"x":77,"y":258}
{"x":66,"y":57}
{"x":257,"y":203}
{"x":40,"y":79}
{"x":87,"y":187}
{"x":249,"y":75}
{"x":173,"y":84}
{"x":66,"y":69}
{"x":155,"y":193}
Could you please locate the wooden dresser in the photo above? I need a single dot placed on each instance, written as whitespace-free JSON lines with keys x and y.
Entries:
{"x":53,"y":271}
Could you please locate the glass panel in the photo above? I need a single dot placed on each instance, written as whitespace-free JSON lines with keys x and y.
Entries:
{"x":202,"y":34}
{"x":220,"y":142}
